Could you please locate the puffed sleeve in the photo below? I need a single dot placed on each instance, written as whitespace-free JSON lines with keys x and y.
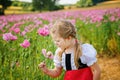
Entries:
{"x":88,"y":54}
{"x":56,"y":59}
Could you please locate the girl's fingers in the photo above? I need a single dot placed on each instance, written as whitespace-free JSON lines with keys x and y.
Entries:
{"x":41,"y":65}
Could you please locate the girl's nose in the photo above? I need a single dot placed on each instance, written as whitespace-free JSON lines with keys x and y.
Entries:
{"x":56,"y":43}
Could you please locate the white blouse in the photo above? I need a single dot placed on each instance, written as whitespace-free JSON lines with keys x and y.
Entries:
{"x":88,"y":57}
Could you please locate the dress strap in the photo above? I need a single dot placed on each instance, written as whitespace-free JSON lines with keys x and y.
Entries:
{"x":81,"y":65}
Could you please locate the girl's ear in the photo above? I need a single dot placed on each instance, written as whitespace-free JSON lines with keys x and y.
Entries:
{"x":69,"y":38}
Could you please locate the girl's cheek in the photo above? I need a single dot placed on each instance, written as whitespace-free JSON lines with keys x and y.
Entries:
{"x":56,"y":44}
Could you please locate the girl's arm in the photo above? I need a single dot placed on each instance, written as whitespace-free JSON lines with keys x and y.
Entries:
{"x":51,"y":72}
{"x":96,"y":71}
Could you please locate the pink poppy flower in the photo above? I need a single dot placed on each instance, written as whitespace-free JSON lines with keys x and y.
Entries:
{"x":13,"y":38}
{"x":44,"y":52}
{"x":48,"y":54}
{"x":43,"y":31}
{"x":9,"y":37}
{"x":25,"y":44}
{"x":112,"y":18}
{"x":16,"y":30}
{"x":23,"y":33}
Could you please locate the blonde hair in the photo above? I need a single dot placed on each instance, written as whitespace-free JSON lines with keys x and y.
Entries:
{"x":65,"y":29}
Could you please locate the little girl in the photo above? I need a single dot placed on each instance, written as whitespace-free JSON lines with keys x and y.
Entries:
{"x":78,"y":60}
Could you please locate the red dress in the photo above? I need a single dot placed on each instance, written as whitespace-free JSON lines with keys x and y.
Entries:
{"x":84,"y":71}
{"x":81,"y":74}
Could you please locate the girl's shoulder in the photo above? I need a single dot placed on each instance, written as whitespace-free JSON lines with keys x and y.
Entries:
{"x":88,"y":54}
{"x":88,"y":50}
{"x":58,"y":50}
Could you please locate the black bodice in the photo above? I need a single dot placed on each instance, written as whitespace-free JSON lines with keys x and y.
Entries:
{"x":68,"y":62}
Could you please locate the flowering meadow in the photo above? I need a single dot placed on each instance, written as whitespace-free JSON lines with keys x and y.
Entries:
{"x":25,"y":40}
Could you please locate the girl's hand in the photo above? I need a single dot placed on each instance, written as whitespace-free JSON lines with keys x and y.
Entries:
{"x":42,"y":66}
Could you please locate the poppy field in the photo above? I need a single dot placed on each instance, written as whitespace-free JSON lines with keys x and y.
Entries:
{"x":25,"y":39}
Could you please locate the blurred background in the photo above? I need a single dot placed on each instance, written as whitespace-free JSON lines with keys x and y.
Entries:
{"x":24,"y":33}
{"x":28,"y":6}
